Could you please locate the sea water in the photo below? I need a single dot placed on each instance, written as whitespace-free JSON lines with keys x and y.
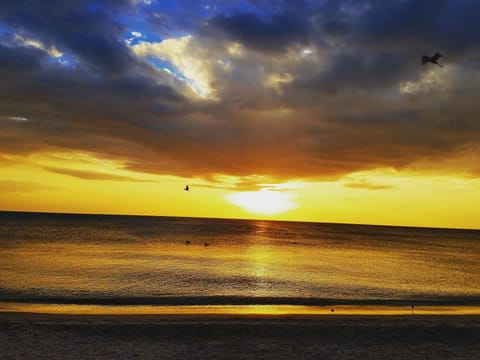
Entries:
{"x":67,"y":259}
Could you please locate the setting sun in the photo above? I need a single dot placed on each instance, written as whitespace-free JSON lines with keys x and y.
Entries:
{"x":264,"y":201}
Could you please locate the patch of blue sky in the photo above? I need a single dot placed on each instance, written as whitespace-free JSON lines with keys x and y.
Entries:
{"x":66,"y":60}
{"x":137,"y":29}
{"x":6,"y":36}
{"x":4,"y":29}
{"x":93,"y":6}
{"x":133,"y":37}
{"x":166,"y":66}
{"x":163,"y":64}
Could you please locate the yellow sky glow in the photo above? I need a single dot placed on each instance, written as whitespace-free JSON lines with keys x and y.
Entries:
{"x":82,"y":183}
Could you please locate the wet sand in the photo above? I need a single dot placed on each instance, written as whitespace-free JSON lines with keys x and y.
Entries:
{"x":60,"y":336}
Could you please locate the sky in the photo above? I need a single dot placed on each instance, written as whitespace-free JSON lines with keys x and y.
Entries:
{"x":290,"y":110}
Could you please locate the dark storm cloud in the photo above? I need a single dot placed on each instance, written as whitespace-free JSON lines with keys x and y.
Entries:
{"x":403,"y":25}
{"x":75,"y":26}
{"x":316,"y":91}
{"x":358,"y":70}
{"x":274,"y":34}
{"x":21,"y":62}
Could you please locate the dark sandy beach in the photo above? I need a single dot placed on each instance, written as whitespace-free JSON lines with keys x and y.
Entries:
{"x":46,"y":336}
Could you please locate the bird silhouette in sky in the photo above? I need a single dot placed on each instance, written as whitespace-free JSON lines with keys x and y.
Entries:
{"x":187,"y":188}
{"x":432,"y":59}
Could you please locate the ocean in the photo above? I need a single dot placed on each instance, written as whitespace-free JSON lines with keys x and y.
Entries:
{"x":105,"y":260}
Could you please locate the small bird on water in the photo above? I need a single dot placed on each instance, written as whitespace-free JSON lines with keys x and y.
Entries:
{"x":186,"y":188}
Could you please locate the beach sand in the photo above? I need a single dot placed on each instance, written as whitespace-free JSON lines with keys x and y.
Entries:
{"x":59,"y":336}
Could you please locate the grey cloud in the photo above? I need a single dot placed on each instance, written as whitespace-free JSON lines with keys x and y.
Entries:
{"x":273,"y":35}
{"x":88,"y":32}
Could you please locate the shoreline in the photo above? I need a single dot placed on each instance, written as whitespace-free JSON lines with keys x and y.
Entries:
{"x":132,"y":318}
{"x":201,"y":336}
{"x":93,"y":319}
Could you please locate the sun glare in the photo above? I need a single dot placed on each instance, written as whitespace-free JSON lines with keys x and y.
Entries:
{"x":263,"y":202}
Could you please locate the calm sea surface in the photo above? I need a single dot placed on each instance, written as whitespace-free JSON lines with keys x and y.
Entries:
{"x":134,"y":260}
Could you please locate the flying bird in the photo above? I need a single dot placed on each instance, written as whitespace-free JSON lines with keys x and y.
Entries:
{"x":432,"y":59}
{"x":186,"y":188}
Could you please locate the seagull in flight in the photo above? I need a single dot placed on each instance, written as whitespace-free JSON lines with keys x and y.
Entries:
{"x":432,"y":59}
{"x":186,"y":188}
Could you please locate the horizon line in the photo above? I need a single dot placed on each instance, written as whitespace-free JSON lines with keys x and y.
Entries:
{"x":235,"y":218}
